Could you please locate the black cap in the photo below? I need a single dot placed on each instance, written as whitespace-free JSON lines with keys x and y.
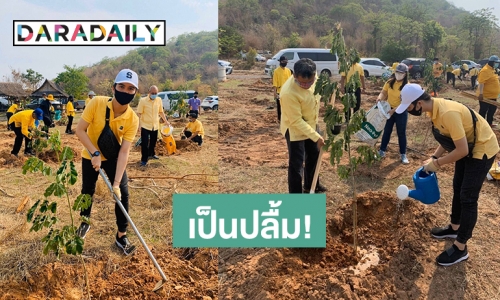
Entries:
{"x":193,"y":115}
{"x":196,"y":93}
{"x":70,"y":97}
{"x":282,"y":57}
{"x":435,"y":58}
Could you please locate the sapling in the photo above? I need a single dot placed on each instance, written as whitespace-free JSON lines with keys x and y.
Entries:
{"x":339,"y":146}
{"x":60,"y":238}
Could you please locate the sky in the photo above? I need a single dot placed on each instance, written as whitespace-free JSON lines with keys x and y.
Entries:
{"x":478,"y":4}
{"x":181,"y":16}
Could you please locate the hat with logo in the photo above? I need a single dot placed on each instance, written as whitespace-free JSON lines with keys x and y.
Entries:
{"x":39,"y":114}
{"x":128,"y":76}
{"x":409,"y":93}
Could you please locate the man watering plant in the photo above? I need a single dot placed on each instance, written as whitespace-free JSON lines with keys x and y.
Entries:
{"x":299,"y":119}
{"x":472,"y":146}
{"x":107,"y":129}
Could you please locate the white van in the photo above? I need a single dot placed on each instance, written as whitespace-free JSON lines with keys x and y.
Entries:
{"x":325,"y":61}
{"x":169,"y":99}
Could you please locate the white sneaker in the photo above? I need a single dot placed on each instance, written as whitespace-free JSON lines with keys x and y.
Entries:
{"x":381,"y":153}
{"x":404,"y":160}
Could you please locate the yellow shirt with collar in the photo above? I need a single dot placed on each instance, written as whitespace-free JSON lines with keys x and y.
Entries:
{"x":449,"y":68}
{"x":70,"y":109}
{"x":280,"y":76}
{"x":465,"y":67}
{"x":437,"y":69}
{"x":149,"y":110}
{"x":488,"y":77}
{"x":354,"y":68}
{"x":454,"y":120}
{"x":124,"y":127}
{"x":474,"y":72}
{"x":196,"y":126}
{"x":13,"y":108}
{"x":456,"y":72}
{"x":23,"y":119}
{"x":299,"y":111}
{"x":394,"y":93}
{"x":88,"y":100}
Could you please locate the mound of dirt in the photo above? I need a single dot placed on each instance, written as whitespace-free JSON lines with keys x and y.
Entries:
{"x":185,"y":145}
{"x":9,"y":160}
{"x":131,"y":278}
{"x":390,"y":235}
{"x":52,"y":156}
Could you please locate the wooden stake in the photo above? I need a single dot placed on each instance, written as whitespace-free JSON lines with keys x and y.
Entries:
{"x":473,"y":96}
{"x":22,"y":204}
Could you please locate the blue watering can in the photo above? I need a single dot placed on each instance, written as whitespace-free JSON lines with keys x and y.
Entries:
{"x":426,"y":188}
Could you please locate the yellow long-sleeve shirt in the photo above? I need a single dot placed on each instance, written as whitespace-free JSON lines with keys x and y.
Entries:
{"x":23,"y":119}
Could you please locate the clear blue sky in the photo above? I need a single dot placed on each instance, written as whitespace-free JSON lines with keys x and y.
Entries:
{"x":181,"y":16}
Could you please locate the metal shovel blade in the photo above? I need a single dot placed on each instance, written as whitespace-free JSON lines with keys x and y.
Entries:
{"x":158,"y":285}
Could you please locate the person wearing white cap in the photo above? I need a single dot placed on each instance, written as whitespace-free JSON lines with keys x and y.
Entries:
{"x":90,"y":95}
{"x":472,"y":147}
{"x":488,"y":88}
{"x":392,"y":93}
{"x":107,"y":129}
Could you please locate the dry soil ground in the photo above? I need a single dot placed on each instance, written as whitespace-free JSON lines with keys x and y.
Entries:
{"x":25,"y":273}
{"x":393,"y":236}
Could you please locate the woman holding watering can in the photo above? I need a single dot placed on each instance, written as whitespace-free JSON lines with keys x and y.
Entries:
{"x":392,"y":93}
{"x":472,"y":146}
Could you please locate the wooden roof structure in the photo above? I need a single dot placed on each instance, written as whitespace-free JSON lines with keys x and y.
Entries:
{"x":49,"y":87}
{"x":12,"y":90}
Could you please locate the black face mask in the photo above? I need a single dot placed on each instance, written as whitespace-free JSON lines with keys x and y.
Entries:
{"x":283,"y":64}
{"x":123,"y":98}
{"x":414,"y":111}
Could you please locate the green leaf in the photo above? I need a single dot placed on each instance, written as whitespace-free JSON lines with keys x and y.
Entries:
{"x":83,"y":201}
{"x":67,"y":154}
{"x":73,"y":173}
{"x":32,"y":210}
{"x":50,"y":189}
{"x":53,"y":207}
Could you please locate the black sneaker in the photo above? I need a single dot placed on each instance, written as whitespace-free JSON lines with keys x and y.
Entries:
{"x":125,"y":245}
{"x":83,"y":230}
{"x":452,"y":256}
{"x":319,"y":189}
{"x":444,"y":232}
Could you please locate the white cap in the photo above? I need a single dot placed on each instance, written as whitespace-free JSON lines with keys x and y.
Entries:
{"x":91,"y":93}
{"x":127,"y":75}
{"x":409,"y":93}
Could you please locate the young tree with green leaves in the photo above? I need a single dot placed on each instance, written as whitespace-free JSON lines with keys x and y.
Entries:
{"x":73,"y":81}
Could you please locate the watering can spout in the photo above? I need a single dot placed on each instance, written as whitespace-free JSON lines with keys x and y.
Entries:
{"x":417,"y":195}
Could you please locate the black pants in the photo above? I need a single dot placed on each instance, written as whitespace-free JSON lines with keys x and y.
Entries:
{"x":358,"y":104}
{"x":473,"y":81}
{"x":70,"y":122}
{"x":9,"y":114}
{"x":449,"y":77}
{"x":298,"y":152}
{"x":18,"y":142}
{"x":198,"y":139}
{"x":278,"y":108}
{"x":48,"y":123}
{"x":487,"y":111}
{"x":89,"y":179}
{"x":148,"y":143}
{"x":467,"y":182}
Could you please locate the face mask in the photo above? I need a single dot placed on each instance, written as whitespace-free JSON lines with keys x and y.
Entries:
{"x":496,"y":66}
{"x":283,"y":64}
{"x":435,"y":62}
{"x":414,"y":111}
{"x":399,"y":76}
{"x":123,"y":98}
{"x":152,"y":97}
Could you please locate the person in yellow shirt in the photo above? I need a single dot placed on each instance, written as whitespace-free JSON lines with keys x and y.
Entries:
{"x":299,"y":119}
{"x":472,"y":147}
{"x":473,"y":72}
{"x":280,"y":76}
{"x":488,"y":88}
{"x":455,"y":73}
{"x":14,"y":108}
{"x":449,"y":74}
{"x":21,"y":123}
{"x":437,"y":68}
{"x":148,"y":110}
{"x":91,"y":96}
{"x":344,"y":84}
{"x":194,"y":129}
{"x":70,"y":113}
{"x":107,"y":130}
{"x":394,"y":66}
{"x":391,"y":92}
{"x":465,"y":70}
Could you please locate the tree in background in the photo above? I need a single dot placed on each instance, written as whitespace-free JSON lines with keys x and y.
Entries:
{"x":293,"y":41}
{"x":230,"y":41}
{"x":433,"y":34}
{"x":73,"y":81}
{"x":480,"y":25}
{"x":32,"y":79}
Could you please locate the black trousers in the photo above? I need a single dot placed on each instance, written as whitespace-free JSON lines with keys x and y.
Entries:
{"x":148,"y":143}
{"x":487,"y":111}
{"x":348,"y":114}
{"x":89,"y":179}
{"x":467,"y":183}
{"x":449,"y":77}
{"x":473,"y":81}
{"x":9,"y":114}
{"x":47,"y":122}
{"x":301,"y":153}
{"x":70,"y":122}
{"x":198,"y":139}
{"x":18,"y":141}
{"x":278,"y":108}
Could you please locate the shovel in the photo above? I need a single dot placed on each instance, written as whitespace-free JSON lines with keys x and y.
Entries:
{"x":316,"y":172}
{"x":118,"y":201}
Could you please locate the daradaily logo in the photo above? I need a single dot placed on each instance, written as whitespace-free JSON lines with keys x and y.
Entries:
{"x":89,"y":33}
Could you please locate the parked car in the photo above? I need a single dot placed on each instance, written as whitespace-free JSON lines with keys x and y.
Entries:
{"x":415,"y":68}
{"x":34,"y":104}
{"x":470,"y":63}
{"x":326,"y":62}
{"x":483,"y":62}
{"x":259,"y":57}
{"x":79,"y":104}
{"x":169,"y":98}
{"x":229,"y":67}
{"x":4,"y":104}
{"x":373,"y":67}
{"x":210,"y":102}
